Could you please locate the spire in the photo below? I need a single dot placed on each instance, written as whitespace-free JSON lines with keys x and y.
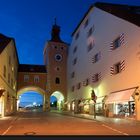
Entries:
{"x":55,"y":33}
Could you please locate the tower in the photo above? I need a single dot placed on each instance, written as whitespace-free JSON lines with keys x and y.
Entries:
{"x":55,"y":58}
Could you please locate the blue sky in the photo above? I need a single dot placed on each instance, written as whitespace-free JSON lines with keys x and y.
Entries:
{"x":30,"y":23}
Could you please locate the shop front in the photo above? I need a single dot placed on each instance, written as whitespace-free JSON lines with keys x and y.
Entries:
{"x":99,"y":106}
{"x":120,"y":103}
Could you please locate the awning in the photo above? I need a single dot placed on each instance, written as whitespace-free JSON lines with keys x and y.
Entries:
{"x":120,"y":96}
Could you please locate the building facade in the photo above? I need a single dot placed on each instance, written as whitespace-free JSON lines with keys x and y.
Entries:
{"x":98,"y":74}
{"x":103,"y":63}
{"x":8,"y":75}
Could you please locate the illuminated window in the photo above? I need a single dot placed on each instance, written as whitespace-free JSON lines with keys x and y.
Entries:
{"x":36,"y":78}
{"x":26,"y":78}
{"x":57,"y":80}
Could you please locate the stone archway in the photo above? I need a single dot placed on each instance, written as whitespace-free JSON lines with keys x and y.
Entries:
{"x":36,"y":89}
{"x":60,"y":99}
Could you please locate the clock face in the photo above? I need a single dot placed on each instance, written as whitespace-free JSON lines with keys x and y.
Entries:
{"x":58,"y":57}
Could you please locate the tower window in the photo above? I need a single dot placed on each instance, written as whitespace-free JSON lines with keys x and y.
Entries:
{"x":57,"y":80}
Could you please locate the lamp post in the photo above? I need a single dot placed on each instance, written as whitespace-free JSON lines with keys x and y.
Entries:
{"x":94,"y":97}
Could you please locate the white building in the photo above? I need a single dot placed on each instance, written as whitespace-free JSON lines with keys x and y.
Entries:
{"x":104,"y":56}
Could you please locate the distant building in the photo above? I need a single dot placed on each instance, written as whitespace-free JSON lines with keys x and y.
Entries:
{"x":104,"y":59}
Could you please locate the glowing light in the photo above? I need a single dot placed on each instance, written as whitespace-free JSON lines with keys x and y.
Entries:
{"x":34,"y":103}
{"x":52,"y":103}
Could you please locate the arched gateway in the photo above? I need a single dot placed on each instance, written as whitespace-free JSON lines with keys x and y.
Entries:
{"x":33,"y":78}
{"x":49,"y":79}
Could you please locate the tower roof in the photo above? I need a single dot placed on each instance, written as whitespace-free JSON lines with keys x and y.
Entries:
{"x":55,"y":33}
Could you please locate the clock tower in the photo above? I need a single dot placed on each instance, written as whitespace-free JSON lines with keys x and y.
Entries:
{"x":55,"y":59}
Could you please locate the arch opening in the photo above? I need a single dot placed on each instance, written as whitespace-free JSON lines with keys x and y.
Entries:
{"x":37,"y":96}
{"x":56,"y":101}
{"x":31,"y":101}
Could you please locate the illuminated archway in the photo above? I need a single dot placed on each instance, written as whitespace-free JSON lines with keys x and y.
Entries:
{"x":34,"y":89}
{"x":60,"y":99}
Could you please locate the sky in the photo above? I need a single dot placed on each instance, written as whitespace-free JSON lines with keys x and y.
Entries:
{"x":29,"y":22}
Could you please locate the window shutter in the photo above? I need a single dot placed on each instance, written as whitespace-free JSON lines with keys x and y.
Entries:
{"x":122,"y":65}
{"x":112,"y":70}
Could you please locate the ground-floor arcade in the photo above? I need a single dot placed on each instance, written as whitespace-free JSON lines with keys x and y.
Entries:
{"x":122,"y":103}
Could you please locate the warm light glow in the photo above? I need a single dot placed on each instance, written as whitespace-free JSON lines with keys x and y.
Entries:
{"x":34,"y":103}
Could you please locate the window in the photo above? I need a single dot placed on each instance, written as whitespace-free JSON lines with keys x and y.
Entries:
{"x":55,"y":47}
{"x":74,"y":61}
{"x":79,"y":85}
{"x":119,"y":41}
{"x":95,"y":77}
{"x":96,"y":57}
{"x":72,"y":74}
{"x":116,"y":43}
{"x":26,"y":78}
{"x":117,"y":68}
{"x":9,"y":60}
{"x":8,"y":77}
{"x":4,"y":71}
{"x":36,"y":78}
{"x":90,"y":46}
{"x":86,"y":23}
{"x":90,"y":32}
{"x":75,"y":49}
{"x":57,"y":80}
{"x":86,"y":82}
{"x":72,"y":88}
{"x":12,"y":82}
{"x":77,"y":35}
